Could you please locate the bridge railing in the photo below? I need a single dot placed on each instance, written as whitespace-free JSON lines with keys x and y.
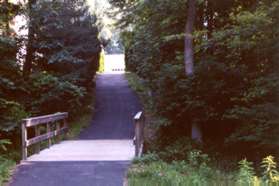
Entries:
{"x":45,"y":128}
{"x":139,"y":120}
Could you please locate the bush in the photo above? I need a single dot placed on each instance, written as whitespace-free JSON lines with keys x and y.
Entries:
{"x":5,"y":169}
{"x":147,"y":158}
{"x":11,"y":115}
{"x":5,"y":163}
{"x":194,"y":171}
{"x":176,"y":150}
{"x":48,"y":94}
{"x":246,"y":173}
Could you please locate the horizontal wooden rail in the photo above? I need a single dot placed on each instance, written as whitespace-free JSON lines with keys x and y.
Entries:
{"x":44,"y":119}
{"x":139,"y":120}
{"x":45,"y":136}
{"x":37,"y":122}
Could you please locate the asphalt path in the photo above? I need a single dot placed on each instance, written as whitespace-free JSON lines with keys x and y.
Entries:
{"x":116,"y":104}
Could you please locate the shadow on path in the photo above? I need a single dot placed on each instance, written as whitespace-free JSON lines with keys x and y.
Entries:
{"x":70,"y":174}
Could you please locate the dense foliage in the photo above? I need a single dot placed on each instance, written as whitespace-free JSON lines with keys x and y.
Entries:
{"x":66,"y":39}
{"x":233,"y":92}
{"x":10,"y":76}
{"x":5,"y":163}
{"x":63,"y":46}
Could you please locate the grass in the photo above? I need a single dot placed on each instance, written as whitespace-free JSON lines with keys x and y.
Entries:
{"x":84,"y":119}
{"x":150,"y":171}
{"x":162,"y":174}
{"x":6,"y":168}
{"x":7,"y":162}
{"x":78,"y":124}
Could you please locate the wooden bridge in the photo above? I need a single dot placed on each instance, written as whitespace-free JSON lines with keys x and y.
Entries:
{"x":50,"y":129}
{"x":102,"y":152}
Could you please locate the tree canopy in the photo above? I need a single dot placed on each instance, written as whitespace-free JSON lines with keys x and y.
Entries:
{"x":233,"y":92}
{"x":55,"y":74}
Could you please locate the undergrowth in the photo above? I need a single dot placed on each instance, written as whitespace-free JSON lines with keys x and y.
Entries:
{"x":198,"y":170}
{"x":77,"y":125}
{"x":6,"y":163}
{"x":179,"y":164}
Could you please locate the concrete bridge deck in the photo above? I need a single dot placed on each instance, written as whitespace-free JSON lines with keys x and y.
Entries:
{"x":87,"y":150}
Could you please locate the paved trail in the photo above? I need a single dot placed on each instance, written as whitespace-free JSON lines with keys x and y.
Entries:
{"x":116,"y":106}
{"x":113,"y":120}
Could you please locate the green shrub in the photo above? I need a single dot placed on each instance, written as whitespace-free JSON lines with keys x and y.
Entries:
{"x":5,"y":169}
{"x":195,"y":171}
{"x":3,"y":144}
{"x":177,"y":150}
{"x":147,"y":158}
{"x":49,"y":94}
{"x":5,"y":164}
{"x":246,"y":173}
{"x":270,"y":173}
{"x":157,"y":173}
{"x":11,"y":115}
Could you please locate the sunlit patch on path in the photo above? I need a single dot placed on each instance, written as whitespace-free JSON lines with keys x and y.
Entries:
{"x":88,"y":150}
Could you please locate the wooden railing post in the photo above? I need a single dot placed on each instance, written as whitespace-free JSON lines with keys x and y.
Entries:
{"x":137,"y":138}
{"x":142,"y":125}
{"x":57,"y":129}
{"x":37,"y":133}
{"x":37,"y":122}
{"x":24,"y":139}
{"x":139,"y":133}
{"x":48,"y":131}
{"x":65,"y":125}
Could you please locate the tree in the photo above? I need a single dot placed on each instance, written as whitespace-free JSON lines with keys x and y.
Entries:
{"x":27,"y":67}
{"x":232,"y":90}
{"x":65,"y":40}
{"x":189,"y":30}
{"x":7,"y":20}
{"x":7,"y":12}
{"x":10,"y":74}
{"x":189,"y":57}
{"x":61,"y":60}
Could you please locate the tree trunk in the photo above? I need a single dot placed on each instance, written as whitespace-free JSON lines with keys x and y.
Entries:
{"x":6,"y":18}
{"x":209,"y":18}
{"x":189,"y":57}
{"x":210,"y":23}
{"x":196,"y":132}
{"x":189,"y":52}
{"x":27,"y":67}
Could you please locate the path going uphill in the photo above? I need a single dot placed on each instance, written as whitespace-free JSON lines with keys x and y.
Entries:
{"x":116,"y":105}
{"x":101,"y":155}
